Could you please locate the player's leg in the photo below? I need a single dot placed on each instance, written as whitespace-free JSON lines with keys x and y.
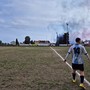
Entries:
{"x":82,"y":76}
{"x":82,"y":80}
{"x":81,"y":68}
{"x":74,"y":75}
{"x":74,"y":72}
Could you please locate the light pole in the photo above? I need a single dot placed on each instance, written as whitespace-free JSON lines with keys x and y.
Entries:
{"x":67,"y":26}
{"x":67,"y":37}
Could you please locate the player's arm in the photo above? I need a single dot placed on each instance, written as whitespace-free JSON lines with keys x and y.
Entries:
{"x":85,"y":52}
{"x":69,"y":51}
{"x":66,"y":56}
{"x":87,"y":56}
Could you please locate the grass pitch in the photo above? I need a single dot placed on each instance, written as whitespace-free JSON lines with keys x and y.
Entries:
{"x":36,"y":68}
{"x":63,"y":51}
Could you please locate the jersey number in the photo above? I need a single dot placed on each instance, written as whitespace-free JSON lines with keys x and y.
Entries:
{"x":77,"y":51}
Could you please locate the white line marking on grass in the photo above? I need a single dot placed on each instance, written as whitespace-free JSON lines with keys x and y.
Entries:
{"x":69,"y":65}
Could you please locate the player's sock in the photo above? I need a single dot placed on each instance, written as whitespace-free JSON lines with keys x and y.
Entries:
{"x":73,"y":75}
{"x":81,"y":79}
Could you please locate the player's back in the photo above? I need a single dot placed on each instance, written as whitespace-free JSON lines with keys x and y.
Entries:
{"x":77,"y":51}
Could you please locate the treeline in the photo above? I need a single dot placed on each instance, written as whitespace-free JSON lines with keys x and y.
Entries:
{"x":4,"y":44}
{"x":26,"y":41}
{"x":17,"y":43}
{"x":62,"y":39}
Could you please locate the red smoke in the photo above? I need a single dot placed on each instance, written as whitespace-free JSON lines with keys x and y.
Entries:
{"x":85,"y":34}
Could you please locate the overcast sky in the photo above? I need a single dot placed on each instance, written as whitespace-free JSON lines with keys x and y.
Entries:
{"x":41,"y":19}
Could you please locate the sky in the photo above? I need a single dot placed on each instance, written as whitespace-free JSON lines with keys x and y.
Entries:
{"x":44,"y":19}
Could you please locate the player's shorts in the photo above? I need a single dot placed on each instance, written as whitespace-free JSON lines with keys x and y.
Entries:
{"x":78,"y":67}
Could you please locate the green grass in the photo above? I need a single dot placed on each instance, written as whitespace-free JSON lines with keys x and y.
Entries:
{"x":35,"y":68}
{"x":63,"y":52}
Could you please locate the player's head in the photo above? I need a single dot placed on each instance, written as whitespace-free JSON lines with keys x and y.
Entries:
{"x":78,"y":40}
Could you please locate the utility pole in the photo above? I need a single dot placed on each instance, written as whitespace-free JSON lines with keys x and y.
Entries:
{"x":67,"y":37}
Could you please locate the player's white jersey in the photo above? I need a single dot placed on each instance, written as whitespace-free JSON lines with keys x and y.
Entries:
{"x":77,"y":51}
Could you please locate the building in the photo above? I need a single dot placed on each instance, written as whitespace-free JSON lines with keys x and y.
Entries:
{"x":87,"y":42}
{"x":42,"y":43}
{"x":13,"y":43}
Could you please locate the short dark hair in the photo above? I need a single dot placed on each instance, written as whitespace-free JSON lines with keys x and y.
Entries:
{"x":78,"y":39}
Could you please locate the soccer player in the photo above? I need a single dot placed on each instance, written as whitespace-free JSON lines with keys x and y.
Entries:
{"x":77,"y":60}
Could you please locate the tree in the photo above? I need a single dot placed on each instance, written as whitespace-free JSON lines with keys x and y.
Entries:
{"x":57,"y":42}
{"x":17,"y":42}
{"x":32,"y":42}
{"x":66,"y":38}
{"x":27,"y":40}
{"x":62,"y":39}
{"x":0,"y":42}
